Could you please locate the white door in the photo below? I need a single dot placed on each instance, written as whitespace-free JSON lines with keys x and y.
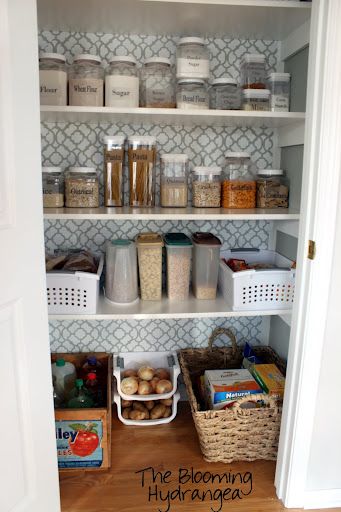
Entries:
{"x":29,"y":476}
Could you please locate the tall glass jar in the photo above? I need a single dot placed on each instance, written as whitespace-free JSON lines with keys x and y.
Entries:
{"x":192,"y":58}
{"x":122,"y":82}
{"x":86,"y":80}
{"x":157,"y":84}
{"x":53,"y":187}
{"x":174,"y":180}
{"x":192,"y":93}
{"x":253,"y":74}
{"x":225,"y":94}
{"x":206,"y":187}
{"x":239,"y":185}
{"x":113,"y":170}
{"x":53,"y":79}
{"x":272,"y":189}
{"x":81,"y":188}
{"x":141,"y":161}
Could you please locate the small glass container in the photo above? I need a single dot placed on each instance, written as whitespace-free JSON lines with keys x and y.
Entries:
{"x":179,"y":252}
{"x":239,"y":185}
{"x":157,"y":84}
{"x":113,"y":170}
{"x":253,"y":74}
{"x":225,"y":94}
{"x":53,"y":79}
{"x":192,"y":93}
{"x":174,"y":180}
{"x":279,"y":85}
{"x":192,"y":58}
{"x":53,"y":187}
{"x":81,"y":188}
{"x":206,"y":187}
{"x":256,"y":99}
{"x":122,"y":82}
{"x":141,"y":162}
{"x":86,"y":80}
{"x":206,"y":257}
{"x":272,"y":189}
{"x":149,"y":246}
{"x":121,"y":272}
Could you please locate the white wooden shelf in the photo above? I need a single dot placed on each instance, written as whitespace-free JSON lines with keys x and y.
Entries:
{"x":158,"y":213}
{"x":145,"y":310}
{"x":170,"y":116}
{"x":249,"y":19}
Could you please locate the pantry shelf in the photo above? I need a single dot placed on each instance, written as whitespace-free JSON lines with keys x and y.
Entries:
{"x":171,"y":116}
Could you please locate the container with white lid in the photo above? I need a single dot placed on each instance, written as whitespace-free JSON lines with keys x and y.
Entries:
{"x":279,"y":85}
{"x":272,"y":189}
{"x":141,"y":161}
{"x":53,"y":79}
{"x":174,"y":180}
{"x":239,"y":185}
{"x":256,"y":99}
{"x":157,"y":86}
{"x":122,"y":82}
{"x":53,"y":187}
{"x":225,"y":94}
{"x":192,"y":58}
{"x":86,"y":81}
{"x":113,"y":169}
{"x":81,"y":187}
{"x":206,"y":187}
{"x":253,"y":74}
{"x":192,"y":93}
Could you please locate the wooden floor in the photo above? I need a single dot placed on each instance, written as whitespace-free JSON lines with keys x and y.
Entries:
{"x":171,"y":448}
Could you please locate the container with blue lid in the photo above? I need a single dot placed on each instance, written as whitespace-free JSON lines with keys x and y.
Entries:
{"x":179,"y":253}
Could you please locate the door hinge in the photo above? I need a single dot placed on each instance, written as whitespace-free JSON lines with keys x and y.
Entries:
{"x":311,"y":250}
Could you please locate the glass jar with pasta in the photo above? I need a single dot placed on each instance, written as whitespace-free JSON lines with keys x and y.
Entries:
{"x":141,"y":160}
{"x":239,"y":185}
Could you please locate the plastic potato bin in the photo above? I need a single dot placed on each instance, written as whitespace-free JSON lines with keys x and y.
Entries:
{"x":149,"y":246}
{"x":206,"y":253}
{"x":179,"y":253}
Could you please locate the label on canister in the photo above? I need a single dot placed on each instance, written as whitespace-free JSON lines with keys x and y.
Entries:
{"x":279,"y":102}
{"x":79,"y":443}
{"x":52,"y":87}
{"x":121,"y":91}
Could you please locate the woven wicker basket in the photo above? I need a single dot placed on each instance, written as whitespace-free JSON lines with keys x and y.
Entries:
{"x":234,"y":434}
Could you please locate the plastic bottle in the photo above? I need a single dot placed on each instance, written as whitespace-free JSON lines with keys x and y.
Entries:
{"x":93,"y":387}
{"x":80,"y":397}
{"x":65,"y":374}
{"x":57,"y":398}
{"x":92,"y":365}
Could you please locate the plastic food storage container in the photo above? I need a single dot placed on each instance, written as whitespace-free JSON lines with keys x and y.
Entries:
{"x":206,"y":251}
{"x":81,"y":187}
{"x":86,"y":80}
{"x":256,"y":99}
{"x":121,"y":272}
{"x":279,"y":85}
{"x":53,"y":187}
{"x":149,"y":247}
{"x":157,"y":84}
{"x":192,"y":58}
{"x":174,"y":180}
{"x":113,"y":170}
{"x":122,"y":82}
{"x":179,"y":252}
{"x":253,"y":75}
{"x":53,"y":79}
{"x":192,"y":93}
{"x":225,"y":94}
{"x":272,"y":189}
{"x":206,"y":187}
{"x":141,"y":160}
{"x":239,"y":185}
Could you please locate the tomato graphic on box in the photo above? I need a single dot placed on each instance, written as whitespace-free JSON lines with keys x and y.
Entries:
{"x":86,"y":440}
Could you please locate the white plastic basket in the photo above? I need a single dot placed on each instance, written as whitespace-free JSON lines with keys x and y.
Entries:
{"x":257,"y":290}
{"x":73,"y":292}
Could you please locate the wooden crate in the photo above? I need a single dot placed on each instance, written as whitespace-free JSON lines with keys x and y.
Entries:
{"x":98,"y":414}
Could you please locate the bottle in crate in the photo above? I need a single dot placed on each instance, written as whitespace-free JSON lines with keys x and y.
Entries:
{"x":80,"y":397}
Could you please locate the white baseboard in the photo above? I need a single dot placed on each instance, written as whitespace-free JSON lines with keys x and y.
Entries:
{"x":323,"y":498}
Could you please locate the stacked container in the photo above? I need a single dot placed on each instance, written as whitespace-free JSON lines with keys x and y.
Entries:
{"x":206,"y":252}
{"x":121,"y":272}
{"x":149,"y":247}
{"x":179,"y":252}
{"x":174,"y":180}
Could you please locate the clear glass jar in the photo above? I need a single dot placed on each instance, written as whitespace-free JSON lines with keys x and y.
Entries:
{"x":121,"y":272}
{"x":122,"y":82}
{"x":113,"y":170}
{"x":256,"y":99}
{"x":149,"y":247}
{"x":53,"y":187}
{"x":192,"y":94}
{"x":81,"y":188}
{"x":206,"y":257}
{"x":179,"y":252}
{"x":141,"y":162}
{"x":206,"y":187}
{"x":53,"y":79}
{"x":157,"y":84}
{"x":225,"y":94}
{"x":174,"y":180}
{"x":253,"y":74}
{"x":86,"y":80}
{"x":239,"y":185}
{"x":272,"y":189}
{"x":192,"y":58}
{"x":279,"y":85}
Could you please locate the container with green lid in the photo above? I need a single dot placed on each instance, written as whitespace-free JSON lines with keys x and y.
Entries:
{"x":149,"y":246}
{"x":179,"y":253}
{"x":121,"y":272}
{"x":206,"y":255}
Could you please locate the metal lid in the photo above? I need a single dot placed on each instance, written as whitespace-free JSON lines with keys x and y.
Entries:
{"x":54,"y":56}
{"x":279,"y":77}
{"x":237,"y":154}
{"x":149,"y":239}
{"x":224,"y":81}
{"x":256,"y":93}
{"x":143,"y":140}
{"x":87,"y":56}
{"x":191,"y":81}
{"x":177,"y":239}
{"x":114,"y":140}
{"x":123,"y":58}
{"x":192,"y":40}
{"x":82,"y":169}
{"x":270,"y":172}
{"x":205,"y":239}
{"x":52,"y":169}
{"x":253,"y":57}
{"x":158,"y":60}
{"x":207,"y":170}
{"x":174,"y":157}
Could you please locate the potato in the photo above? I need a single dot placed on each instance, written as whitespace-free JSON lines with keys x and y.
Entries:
{"x":157,"y":412}
{"x":126,"y":412}
{"x":130,"y":372}
{"x":137,"y":415}
{"x":153,"y":383}
{"x":149,"y":404}
{"x":163,"y":386}
{"x":127,"y":403}
{"x":168,"y":412}
{"x":144,"y":388}
{"x":167,"y":401}
{"x":129,"y":386}
{"x":162,"y":373}
{"x":145,"y":373}
{"x":139,"y":406}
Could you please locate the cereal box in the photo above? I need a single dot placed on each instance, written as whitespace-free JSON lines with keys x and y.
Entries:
{"x":270,"y":378}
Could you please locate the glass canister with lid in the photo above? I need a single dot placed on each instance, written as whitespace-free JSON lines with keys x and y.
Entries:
{"x":157,"y":84}
{"x":256,"y":99}
{"x":121,"y":272}
{"x":53,"y":79}
{"x":86,"y":80}
{"x":206,"y":187}
{"x":174,"y":180}
{"x":113,"y":170}
{"x":253,"y":74}
{"x":192,"y":93}
{"x":225,"y":94}
{"x":53,"y":187}
{"x":141,"y":162}
{"x":279,"y":85}
{"x":272,"y":189}
{"x":81,"y":187}
{"x":239,"y":185}
{"x":122,"y":82}
{"x":192,"y":58}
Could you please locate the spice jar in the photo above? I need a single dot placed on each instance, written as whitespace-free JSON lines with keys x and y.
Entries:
{"x":149,"y":247}
{"x":157,"y":84}
{"x":179,"y":252}
{"x":206,"y":187}
{"x":141,"y":160}
{"x":122,"y":82}
{"x":253,"y":71}
{"x":256,"y":99}
{"x":225,"y":94}
{"x":192,"y":93}
{"x":192,"y":58}
{"x":53,"y":187}
{"x":53,"y":79}
{"x":206,"y":257}
{"x":113,"y":170}
{"x":279,"y":85}
{"x":272,"y":189}
{"x":81,"y":188}
{"x":121,"y":272}
{"x":86,"y":79}
{"x":239,"y":186}
{"x":174,"y":180}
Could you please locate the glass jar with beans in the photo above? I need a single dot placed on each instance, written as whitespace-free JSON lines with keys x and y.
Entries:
{"x":206,"y":187}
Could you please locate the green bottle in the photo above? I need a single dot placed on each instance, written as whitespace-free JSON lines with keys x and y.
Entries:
{"x":79,"y":397}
